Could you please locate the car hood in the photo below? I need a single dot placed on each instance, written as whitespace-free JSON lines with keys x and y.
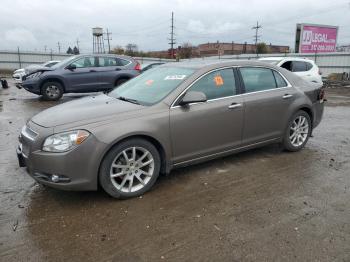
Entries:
{"x":84,"y":111}
{"x":36,"y":68}
{"x":19,"y":71}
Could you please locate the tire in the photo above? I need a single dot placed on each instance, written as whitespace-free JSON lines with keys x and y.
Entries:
{"x":4,"y":84}
{"x":120,"y":81}
{"x":296,"y":137}
{"x":52,"y":91}
{"x":120,"y":178}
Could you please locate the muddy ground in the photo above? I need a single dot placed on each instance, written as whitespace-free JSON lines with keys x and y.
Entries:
{"x":261,"y":205}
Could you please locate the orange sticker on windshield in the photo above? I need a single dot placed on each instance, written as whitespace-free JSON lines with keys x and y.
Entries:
{"x":149,"y":82}
{"x":218,"y":80}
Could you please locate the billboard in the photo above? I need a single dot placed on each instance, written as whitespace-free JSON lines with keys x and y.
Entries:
{"x":315,"y":38}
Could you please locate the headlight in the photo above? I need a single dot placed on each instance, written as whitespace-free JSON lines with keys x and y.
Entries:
{"x":34,"y":75}
{"x":63,"y":142}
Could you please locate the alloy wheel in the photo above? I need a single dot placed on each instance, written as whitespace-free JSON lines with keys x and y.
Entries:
{"x":132,"y":169}
{"x":299,"y":131}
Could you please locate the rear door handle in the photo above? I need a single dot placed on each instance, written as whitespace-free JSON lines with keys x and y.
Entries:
{"x":92,"y":70}
{"x":286,"y":96}
{"x":234,"y":105}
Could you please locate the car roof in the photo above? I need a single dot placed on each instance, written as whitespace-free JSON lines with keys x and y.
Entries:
{"x":106,"y":55}
{"x":285,"y":58}
{"x":212,"y":64}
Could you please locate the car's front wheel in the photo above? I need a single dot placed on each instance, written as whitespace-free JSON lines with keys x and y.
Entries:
{"x":298,"y":131}
{"x":130,"y":169}
{"x":51,"y":91}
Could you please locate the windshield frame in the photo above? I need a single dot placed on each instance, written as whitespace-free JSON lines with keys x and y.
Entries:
{"x":64,"y":62}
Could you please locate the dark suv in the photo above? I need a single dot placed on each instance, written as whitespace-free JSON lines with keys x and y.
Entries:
{"x":80,"y":74}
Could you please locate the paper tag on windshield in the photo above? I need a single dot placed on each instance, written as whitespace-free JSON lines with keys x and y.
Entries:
{"x":175,"y":77}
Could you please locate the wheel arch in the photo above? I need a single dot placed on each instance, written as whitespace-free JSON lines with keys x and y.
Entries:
{"x":53,"y":79}
{"x":120,"y":77}
{"x":164,"y":166}
{"x":308,"y":110}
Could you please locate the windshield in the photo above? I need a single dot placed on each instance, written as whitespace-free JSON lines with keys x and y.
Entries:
{"x":274,"y":62}
{"x":63,"y":62}
{"x":152,"y":86}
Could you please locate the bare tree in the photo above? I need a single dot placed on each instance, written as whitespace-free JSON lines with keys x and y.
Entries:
{"x":185,"y":51}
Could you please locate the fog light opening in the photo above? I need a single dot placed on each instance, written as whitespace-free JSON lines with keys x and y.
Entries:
{"x":55,"y":178}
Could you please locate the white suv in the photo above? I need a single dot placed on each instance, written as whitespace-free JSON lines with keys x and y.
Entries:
{"x":305,"y":68}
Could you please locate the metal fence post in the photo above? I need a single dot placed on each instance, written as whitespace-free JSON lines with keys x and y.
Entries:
{"x":19,"y":57}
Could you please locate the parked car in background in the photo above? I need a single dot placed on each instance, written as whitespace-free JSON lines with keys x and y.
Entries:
{"x":19,"y":73}
{"x":145,"y":67}
{"x":177,"y":115}
{"x":305,"y":68}
{"x":81,"y":74}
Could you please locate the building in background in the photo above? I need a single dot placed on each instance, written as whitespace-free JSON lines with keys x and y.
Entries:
{"x":214,"y":49}
{"x":311,"y":38}
{"x":343,"y":48}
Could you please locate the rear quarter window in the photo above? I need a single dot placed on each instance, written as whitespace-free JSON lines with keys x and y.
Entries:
{"x":279,"y":79}
{"x":122,"y":62}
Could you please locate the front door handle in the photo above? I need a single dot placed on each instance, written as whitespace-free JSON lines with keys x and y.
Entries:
{"x":286,"y":96}
{"x":234,"y":105}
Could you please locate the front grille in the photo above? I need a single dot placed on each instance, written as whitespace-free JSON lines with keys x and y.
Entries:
{"x":29,"y":133}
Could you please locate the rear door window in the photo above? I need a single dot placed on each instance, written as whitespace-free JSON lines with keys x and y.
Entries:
{"x":257,"y":79}
{"x":217,"y":84}
{"x":299,"y":66}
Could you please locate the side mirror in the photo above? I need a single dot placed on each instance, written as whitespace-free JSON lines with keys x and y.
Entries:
{"x":193,"y":97}
{"x":71,"y":67}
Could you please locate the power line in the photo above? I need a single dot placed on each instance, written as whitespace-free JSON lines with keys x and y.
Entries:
{"x":172,"y":38}
{"x":256,"y":36}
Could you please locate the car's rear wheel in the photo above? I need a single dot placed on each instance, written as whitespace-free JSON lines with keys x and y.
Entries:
{"x":120,"y":81}
{"x":298,"y":131}
{"x":52,"y":91}
{"x":130,"y":169}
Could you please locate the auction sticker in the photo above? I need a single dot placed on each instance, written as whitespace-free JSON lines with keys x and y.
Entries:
{"x":175,"y":77}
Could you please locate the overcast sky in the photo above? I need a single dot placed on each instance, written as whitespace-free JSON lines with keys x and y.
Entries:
{"x":34,"y":24}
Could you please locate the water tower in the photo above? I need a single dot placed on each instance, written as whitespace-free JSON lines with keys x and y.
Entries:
{"x":97,"y":41}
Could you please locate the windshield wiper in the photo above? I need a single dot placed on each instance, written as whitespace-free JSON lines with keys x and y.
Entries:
{"x":134,"y":101}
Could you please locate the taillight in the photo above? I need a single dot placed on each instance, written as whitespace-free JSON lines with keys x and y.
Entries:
{"x":137,"y":66}
{"x":322,"y":94}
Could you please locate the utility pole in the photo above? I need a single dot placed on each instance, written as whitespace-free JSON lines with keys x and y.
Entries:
{"x":78,"y":44}
{"x":59,"y":47}
{"x":172,"y":38}
{"x":45,"y":47}
{"x":256,"y":36}
{"x":108,"y":38}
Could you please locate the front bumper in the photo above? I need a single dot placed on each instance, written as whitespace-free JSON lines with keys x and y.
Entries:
{"x":31,"y":85}
{"x":76,"y":169}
